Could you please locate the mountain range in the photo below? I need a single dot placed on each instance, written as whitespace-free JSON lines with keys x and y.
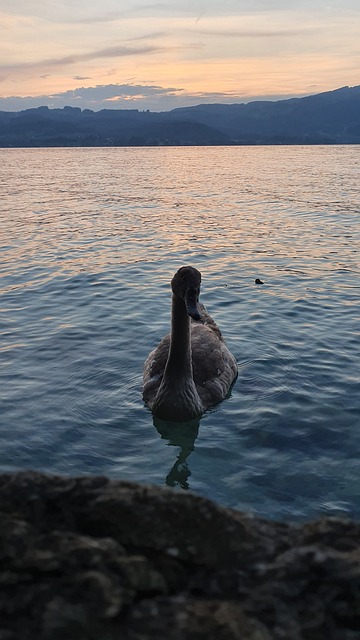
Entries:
{"x":332,"y":117}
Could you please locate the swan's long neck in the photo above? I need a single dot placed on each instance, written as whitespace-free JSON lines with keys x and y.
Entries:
{"x":177,"y":397}
{"x":179,"y":359}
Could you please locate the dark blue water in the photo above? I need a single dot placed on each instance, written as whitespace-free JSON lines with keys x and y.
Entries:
{"x":90,"y":239}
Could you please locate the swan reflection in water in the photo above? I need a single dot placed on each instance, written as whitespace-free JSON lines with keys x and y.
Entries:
{"x":181,"y":435}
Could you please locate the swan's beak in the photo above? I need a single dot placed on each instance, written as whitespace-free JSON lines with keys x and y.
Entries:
{"x":191,"y":300}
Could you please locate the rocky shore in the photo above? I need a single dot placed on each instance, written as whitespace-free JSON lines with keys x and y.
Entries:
{"x":90,"y":558}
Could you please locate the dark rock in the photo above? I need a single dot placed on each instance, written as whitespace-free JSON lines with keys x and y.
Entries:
{"x":90,"y":558}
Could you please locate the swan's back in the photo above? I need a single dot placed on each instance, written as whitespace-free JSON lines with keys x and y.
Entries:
{"x":154,"y":368}
{"x":214,"y":366}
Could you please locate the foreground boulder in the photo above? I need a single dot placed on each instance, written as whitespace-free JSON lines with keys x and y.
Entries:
{"x":90,"y":558}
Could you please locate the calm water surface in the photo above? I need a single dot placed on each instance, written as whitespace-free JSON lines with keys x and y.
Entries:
{"x":90,"y":239}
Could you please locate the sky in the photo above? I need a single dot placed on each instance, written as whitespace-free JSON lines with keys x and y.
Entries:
{"x":142,"y":55}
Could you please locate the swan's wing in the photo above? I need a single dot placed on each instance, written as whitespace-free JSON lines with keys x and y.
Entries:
{"x":207,"y":321}
{"x":154,"y":367}
{"x":214,"y":366}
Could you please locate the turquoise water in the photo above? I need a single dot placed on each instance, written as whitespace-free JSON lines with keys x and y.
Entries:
{"x":90,"y":239}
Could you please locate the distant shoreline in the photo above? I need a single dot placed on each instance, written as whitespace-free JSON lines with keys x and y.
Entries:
{"x":144,"y":146}
{"x":331,"y":118}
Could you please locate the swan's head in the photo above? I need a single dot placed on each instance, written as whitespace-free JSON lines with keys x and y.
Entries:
{"x":186,"y":285}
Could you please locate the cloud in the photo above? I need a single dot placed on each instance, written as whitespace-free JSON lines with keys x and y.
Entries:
{"x":96,"y":98}
{"x":111,"y":91}
{"x":45,"y":66}
{"x":252,"y":33}
{"x":126,"y":96}
{"x":50,"y":63}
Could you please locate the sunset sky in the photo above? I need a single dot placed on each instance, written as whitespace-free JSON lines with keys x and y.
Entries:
{"x":148,"y":55}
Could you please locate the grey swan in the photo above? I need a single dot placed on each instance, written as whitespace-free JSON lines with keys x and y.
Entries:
{"x":191,"y":369}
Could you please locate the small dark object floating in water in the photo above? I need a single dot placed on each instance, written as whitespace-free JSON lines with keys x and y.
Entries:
{"x":258,"y":281}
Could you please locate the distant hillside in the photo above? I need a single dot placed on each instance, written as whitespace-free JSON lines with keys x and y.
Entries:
{"x":326,"y":118}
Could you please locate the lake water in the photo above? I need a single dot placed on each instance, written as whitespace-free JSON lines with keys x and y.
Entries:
{"x":90,"y":239}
